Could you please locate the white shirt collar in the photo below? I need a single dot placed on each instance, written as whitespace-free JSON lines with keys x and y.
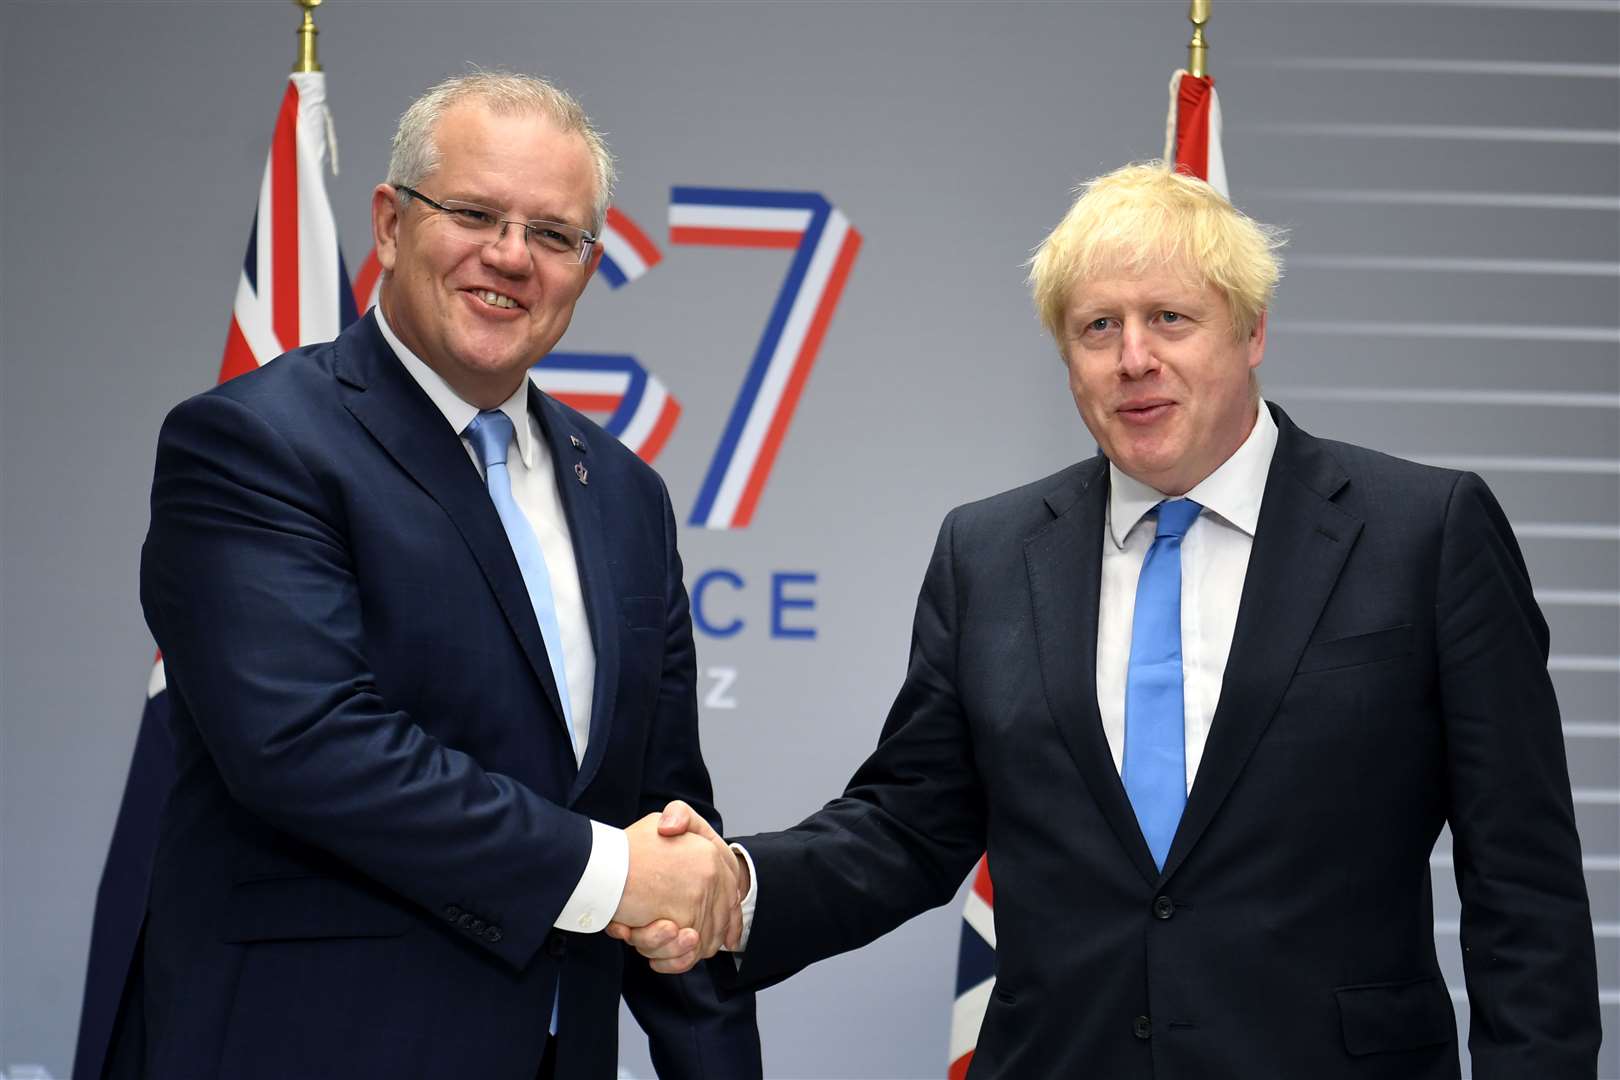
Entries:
{"x":457,"y":412}
{"x":1232,"y":492}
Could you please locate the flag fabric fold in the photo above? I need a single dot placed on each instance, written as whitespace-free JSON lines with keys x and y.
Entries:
{"x":293,"y":290}
{"x":1192,"y":142}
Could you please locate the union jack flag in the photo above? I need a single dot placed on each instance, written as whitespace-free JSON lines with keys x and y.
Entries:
{"x":294,"y":290}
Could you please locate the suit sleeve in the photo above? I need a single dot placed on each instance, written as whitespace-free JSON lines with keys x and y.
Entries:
{"x":907,"y":829}
{"x":694,"y":1032}
{"x":1527,"y":944}
{"x":247,"y":582}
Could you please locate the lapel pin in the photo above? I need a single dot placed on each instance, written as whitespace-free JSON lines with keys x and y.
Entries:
{"x":579,"y":471}
{"x":579,"y":444}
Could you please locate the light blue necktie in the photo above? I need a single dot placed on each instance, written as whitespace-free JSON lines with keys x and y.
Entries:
{"x":491,"y":434}
{"x":1155,"y":766}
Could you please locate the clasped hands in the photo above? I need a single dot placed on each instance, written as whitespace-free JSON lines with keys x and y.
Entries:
{"x":683,"y":897}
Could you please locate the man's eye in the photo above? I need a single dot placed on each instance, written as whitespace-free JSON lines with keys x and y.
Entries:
{"x":551,"y":237}
{"x":472,"y":219}
{"x":1170,"y":317}
{"x":1097,"y":325}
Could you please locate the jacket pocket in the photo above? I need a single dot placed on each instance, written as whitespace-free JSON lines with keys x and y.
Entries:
{"x":303,"y":908}
{"x":1384,"y":1017}
{"x":1357,"y":649}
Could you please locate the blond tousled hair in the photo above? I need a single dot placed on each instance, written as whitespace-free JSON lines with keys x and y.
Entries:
{"x":1144,"y":216}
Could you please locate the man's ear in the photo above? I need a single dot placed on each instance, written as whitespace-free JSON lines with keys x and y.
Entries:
{"x":1257,"y":342}
{"x":385,"y":212}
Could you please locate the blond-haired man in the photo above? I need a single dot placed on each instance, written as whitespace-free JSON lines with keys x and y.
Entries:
{"x":1208,"y":700}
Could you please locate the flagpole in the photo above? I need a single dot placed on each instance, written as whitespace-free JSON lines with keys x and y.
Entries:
{"x":307,"y":32}
{"x":1197,"y":48}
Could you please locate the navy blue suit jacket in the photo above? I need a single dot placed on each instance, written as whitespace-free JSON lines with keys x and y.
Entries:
{"x":377,"y":815}
{"x":1387,"y":677}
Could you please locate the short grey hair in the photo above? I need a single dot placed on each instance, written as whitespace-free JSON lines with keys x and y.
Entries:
{"x":505,"y":93}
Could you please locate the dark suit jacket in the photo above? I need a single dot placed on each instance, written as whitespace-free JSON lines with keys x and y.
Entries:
{"x":1387,"y":676}
{"x":377,"y":814}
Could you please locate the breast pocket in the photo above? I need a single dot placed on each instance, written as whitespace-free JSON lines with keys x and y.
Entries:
{"x":643,"y":612}
{"x":1356,"y":650}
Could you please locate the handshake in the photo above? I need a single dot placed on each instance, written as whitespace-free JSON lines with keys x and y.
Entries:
{"x":683,"y":896}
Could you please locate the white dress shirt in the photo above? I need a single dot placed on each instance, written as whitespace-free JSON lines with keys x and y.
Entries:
{"x":1214,"y":564}
{"x":534,"y":489}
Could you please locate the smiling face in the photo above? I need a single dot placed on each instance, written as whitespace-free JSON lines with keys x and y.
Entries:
{"x":1161,"y":379}
{"x":481,"y":314}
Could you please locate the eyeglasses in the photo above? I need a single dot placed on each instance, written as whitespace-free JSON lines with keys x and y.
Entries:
{"x":481,"y":225}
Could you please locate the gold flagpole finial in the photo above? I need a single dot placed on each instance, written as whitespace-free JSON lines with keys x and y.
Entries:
{"x":1198,"y":48}
{"x":306,"y":38}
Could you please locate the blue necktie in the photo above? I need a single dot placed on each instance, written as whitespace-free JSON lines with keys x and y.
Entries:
{"x":1155,"y":766}
{"x":491,"y":434}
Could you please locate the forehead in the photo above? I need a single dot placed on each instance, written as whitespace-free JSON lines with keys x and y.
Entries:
{"x":1156,"y":282}
{"x":519,"y":161}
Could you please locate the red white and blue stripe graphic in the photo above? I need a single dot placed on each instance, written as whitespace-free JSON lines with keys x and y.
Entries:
{"x":627,"y":251}
{"x":975,"y":971}
{"x":640,"y":410}
{"x":293,"y":289}
{"x":825,"y":245}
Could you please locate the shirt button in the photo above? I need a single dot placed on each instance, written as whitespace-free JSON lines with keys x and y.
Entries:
{"x":587,"y":921}
{"x":1142,"y":1028}
{"x":1163,"y":908}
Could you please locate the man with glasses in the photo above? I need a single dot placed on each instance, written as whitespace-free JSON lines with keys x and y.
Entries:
{"x":430,"y":660}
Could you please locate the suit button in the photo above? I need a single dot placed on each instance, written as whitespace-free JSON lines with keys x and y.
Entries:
{"x":466,"y":920}
{"x":1142,"y":1028}
{"x":1163,"y":908}
{"x":557,"y":946}
{"x":451,"y":912}
{"x":492,"y":934}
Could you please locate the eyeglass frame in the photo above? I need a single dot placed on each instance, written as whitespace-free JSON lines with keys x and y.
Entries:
{"x":587,"y":239}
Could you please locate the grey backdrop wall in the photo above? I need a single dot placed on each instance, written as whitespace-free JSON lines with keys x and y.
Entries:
{"x":1449,"y":173}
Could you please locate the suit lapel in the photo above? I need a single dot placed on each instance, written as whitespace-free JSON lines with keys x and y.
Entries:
{"x":1064,"y":562}
{"x":571,"y":460}
{"x":1300,"y":546}
{"x":382,"y":396}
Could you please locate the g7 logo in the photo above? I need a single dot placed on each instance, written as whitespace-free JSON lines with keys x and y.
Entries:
{"x":642,"y":412}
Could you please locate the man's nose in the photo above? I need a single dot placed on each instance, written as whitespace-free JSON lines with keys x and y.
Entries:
{"x":1136,"y":358}
{"x":509,"y":251}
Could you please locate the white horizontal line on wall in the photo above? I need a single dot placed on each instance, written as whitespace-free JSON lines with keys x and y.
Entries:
{"x":1499,"y":463}
{"x":1435,"y":66}
{"x":1497,"y":199}
{"x":1609,"y":7}
{"x":1589,"y":863}
{"x":1565,"y":530}
{"x":1427,"y":132}
{"x":1602,"y":929}
{"x":1578,"y":597}
{"x":1588,"y":729}
{"x":1451,"y":396}
{"x":1569,"y":267}
{"x":1488,"y":331}
{"x":1587,"y":796}
{"x":1583,"y":663}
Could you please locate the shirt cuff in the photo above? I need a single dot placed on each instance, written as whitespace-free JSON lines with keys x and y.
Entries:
{"x":749,"y":898}
{"x":594,"y":900}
